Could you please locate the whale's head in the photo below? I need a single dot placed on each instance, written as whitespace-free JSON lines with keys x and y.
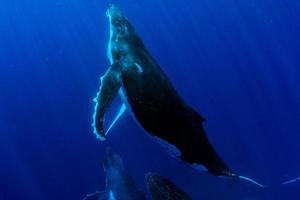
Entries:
{"x":119,"y":25}
{"x":123,"y":37}
{"x":113,"y":167}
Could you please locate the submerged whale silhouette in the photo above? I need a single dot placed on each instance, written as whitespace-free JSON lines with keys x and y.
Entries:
{"x":161,"y":188}
{"x":149,"y":94}
{"x":121,"y":186}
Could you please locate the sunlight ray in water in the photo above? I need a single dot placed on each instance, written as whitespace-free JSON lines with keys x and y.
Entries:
{"x":120,"y":113}
{"x":291,"y":181}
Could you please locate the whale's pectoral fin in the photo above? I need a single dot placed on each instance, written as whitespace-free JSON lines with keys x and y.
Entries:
{"x":110,"y":85}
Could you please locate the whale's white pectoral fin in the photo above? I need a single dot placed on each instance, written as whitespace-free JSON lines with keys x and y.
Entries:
{"x":110,"y":85}
{"x":120,"y":113}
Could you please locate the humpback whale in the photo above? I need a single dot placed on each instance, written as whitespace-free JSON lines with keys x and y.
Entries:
{"x":150,"y":96}
{"x":161,"y":188}
{"x":118,"y":181}
{"x":120,"y":185}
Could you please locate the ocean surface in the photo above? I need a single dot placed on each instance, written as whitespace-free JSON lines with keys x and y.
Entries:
{"x":236,"y":62}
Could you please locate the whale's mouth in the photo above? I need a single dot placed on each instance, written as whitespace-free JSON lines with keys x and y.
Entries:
{"x":119,"y":25}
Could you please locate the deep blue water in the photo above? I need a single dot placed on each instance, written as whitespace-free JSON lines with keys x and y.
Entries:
{"x":237,"y":62}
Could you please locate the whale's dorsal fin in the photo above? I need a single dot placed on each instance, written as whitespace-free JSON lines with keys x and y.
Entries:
{"x":196,"y":115}
{"x":110,"y":85}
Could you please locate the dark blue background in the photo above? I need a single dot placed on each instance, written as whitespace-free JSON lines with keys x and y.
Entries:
{"x":237,"y":62}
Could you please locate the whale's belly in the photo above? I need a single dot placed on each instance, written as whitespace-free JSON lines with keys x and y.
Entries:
{"x":153,"y":100}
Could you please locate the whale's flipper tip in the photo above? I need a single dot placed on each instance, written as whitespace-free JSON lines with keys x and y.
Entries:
{"x":96,"y":133}
{"x":251,"y":181}
{"x":102,"y":137}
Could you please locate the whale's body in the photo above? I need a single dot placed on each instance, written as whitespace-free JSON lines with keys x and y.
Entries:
{"x":163,"y":113}
{"x":153,"y":100}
